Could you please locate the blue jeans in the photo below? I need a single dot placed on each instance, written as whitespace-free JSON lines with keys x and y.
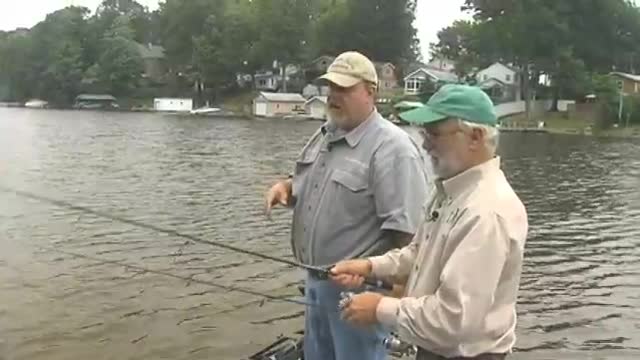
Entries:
{"x":327,"y":337}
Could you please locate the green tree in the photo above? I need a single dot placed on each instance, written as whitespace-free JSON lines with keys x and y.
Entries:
{"x":139,"y":18}
{"x":381,"y":29}
{"x":16,"y":65}
{"x":119,"y":66}
{"x":57,"y":55}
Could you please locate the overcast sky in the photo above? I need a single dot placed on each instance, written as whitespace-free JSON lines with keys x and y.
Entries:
{"x":25,"y":13}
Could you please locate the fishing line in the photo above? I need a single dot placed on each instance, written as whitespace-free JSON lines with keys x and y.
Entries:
{"x":320,"y":271}
{"x":190,"y":279}
{"x":158,"y":229}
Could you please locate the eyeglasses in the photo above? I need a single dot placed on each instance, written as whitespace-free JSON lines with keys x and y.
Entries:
{"x":431,"y":135}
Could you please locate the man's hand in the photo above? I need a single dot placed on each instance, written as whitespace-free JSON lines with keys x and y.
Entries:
{"x":280,"y":193}
{"x":361,"y":310}
{"x":351,"y":273}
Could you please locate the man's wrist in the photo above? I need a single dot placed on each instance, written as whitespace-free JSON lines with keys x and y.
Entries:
{"x":387,"y":312}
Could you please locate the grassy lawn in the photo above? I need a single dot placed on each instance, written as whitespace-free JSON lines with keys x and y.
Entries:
{"x":558,"y":123}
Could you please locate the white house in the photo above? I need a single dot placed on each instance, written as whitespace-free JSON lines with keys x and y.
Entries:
{"x":442,"y":64}
{"x":415,"y":81}
{"x":498,"y":71}
{"x":500,"y":81}
{"x":270,"y":104}
{"x":317,"y":107}
{"x":311,"y":90}
{"x":266,"y":80}
{"x":172,"y":104}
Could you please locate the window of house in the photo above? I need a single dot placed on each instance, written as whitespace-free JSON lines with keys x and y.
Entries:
{"x":485,"y":77}
{"x":414,"y":85}
{"x":508,"y":77}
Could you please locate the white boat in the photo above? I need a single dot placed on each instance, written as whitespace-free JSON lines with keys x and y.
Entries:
{"x":36,"y":104}
{"x":205,"y":111}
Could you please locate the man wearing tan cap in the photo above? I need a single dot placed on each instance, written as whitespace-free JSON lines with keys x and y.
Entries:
{"x":358,"y":189}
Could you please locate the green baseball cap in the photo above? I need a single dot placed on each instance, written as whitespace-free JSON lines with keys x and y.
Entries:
{"x":465,"y":102}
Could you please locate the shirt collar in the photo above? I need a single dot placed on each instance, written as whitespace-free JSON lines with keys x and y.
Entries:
{"x":456,"y":185}
{"x":354,"y":136}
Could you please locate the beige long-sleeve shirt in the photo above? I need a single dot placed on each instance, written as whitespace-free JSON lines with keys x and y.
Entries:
{"x":462,"y":268}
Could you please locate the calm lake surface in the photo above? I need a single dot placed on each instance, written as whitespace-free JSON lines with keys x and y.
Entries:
{"x":580,"y":293}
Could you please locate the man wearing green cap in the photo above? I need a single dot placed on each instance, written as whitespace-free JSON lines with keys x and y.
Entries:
{"x":359,"y":189}
{"x":462,"y":270}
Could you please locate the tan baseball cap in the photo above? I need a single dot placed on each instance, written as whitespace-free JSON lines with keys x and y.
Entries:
{"x":350,"y":68}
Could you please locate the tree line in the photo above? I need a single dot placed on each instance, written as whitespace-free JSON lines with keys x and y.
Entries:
{"x":571,"y":43}
{"x":206,"y":42}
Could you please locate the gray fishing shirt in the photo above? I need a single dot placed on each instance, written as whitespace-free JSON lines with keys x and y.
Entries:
{"x":350,"y":187}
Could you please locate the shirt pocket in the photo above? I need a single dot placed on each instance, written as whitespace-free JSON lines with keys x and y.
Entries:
{"x":302,"y":169}
{"x":351,"y":197}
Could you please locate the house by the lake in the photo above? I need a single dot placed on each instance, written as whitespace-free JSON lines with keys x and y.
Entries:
{"x":153,"y":59}
{"x":441,"y":63}
{"x":501,"y":82}
{"x":173,"y":104}
{"x":95,"y":101}
{"x":269,"y":104}
{"x":314,"y":89}
{"x":387,"y":79}
{"x":628,"y":83}
{"x":417,"y":81}
{"x":316,"y":107}
{"x":266,"y":80}
{"x":272,"y":80}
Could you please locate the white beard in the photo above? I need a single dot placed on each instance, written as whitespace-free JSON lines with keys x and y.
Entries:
{"x":444,"y":168}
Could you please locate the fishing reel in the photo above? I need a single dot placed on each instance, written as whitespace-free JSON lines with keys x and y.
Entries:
{"x":392,"y":343}
{"x":399,"y":348}
{"x":345,"y":299}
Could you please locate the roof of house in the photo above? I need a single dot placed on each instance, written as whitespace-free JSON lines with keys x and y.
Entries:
{"x":95,"y":97}
{"x":282,"y":97}
{"x":381,"y":64}
{"x":441,"y":75}
{"x":491,"y":82}
{"x":265,"y":74}
{"x":501,"y":64}
{"x":150,"y":51}
{"x":322,"y":99}
{"x":631,"y":77}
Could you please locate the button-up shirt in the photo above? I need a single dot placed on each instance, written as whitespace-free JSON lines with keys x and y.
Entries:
{"x":462,"y":269}
{"x":349,"y":187}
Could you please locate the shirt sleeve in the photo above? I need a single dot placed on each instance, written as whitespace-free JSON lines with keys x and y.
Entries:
{"x":397,"y":263}
{"x":399,"y":187}
{"x":456,"y":312}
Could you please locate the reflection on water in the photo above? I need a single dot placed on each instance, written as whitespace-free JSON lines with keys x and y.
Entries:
{"x":580,"y":290}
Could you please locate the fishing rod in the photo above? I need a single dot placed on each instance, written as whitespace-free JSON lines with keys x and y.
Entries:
{"x":320,"y":272}
{"x":180,"y":277}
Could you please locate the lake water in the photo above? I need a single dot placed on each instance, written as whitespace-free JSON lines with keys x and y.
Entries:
{"x":580,"y":293}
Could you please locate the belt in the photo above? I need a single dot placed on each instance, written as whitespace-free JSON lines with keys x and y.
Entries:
{"x":427,"y":355}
